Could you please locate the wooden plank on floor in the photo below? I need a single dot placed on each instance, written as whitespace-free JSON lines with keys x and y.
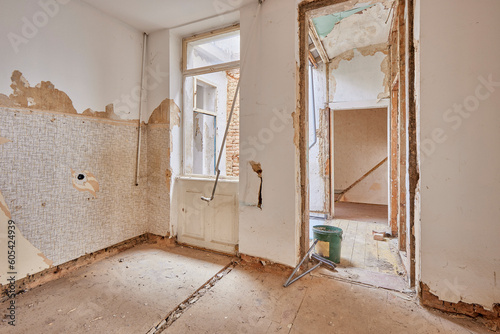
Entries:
{"x":349,"y":238}
{"x":371,"y":251}
{"x":358,"y":254}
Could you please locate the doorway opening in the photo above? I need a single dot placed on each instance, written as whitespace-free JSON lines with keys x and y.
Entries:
{"x":354,"y":61}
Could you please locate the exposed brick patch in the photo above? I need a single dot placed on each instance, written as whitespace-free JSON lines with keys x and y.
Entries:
{"x":472,"y":310}
{"x":233,"y":135}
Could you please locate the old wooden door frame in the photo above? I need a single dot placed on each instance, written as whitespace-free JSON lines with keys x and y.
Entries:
{"x":411,"y":124}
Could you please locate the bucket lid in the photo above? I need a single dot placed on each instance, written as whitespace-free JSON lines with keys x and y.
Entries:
{"x":327,"y":229}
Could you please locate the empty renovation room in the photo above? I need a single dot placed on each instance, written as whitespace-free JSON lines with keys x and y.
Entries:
{"x":249,"y":166}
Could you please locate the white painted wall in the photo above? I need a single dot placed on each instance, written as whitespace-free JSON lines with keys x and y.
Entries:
{"x":354,"y":84}
{"x":268,"y":100}
{"x":93,"y":58}
{"x":459,"y":248}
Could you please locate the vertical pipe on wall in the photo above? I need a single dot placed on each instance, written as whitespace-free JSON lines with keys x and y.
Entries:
{"x":139,"y":135}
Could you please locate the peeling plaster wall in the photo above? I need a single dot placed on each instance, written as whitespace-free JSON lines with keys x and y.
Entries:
{"x":29,"y":260}
{"x":359,"y":75}
{"x":357,"y":78}
{"x":62,"y":222}
{"x":319,"y":154}
{"x":94,"y":58}
{"x":359,"y":30}
{"x":67,"y":84}
{"x":459,"y":156}
{"x":360,"y":144}
{"x":268,"y":103}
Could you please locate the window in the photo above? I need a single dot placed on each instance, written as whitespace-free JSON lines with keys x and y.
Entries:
{"x":204,"y":127}
{"x":220,"y":49}
{"x":211,"y":73}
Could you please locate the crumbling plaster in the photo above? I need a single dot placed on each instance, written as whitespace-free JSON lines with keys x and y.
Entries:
{"x":369,"y":27}
{"x":86,"y":60}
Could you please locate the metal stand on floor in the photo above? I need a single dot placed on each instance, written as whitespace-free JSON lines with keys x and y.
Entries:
{"x":318,"y":258}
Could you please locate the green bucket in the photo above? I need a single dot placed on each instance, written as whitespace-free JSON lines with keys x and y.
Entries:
{"x":329,"y":242}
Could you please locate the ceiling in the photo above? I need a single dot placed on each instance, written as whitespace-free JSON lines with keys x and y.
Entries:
{"x":151,"y":15}
{"x":360,"y":25}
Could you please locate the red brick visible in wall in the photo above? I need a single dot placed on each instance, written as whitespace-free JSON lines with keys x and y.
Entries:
{"x":233,"y":136}
{"x":492,"y":318}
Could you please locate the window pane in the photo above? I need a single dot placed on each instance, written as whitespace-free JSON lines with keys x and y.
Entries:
{"x":206,"y":96}
{"x":215,"y":50}
{"x":204,"y":141}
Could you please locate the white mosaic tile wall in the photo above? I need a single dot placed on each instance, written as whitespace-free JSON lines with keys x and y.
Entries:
{"x":35,"y":178}
{"x":158,"y":187}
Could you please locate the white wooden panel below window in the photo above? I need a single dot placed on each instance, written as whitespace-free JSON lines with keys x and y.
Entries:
{"x":211,"y":225}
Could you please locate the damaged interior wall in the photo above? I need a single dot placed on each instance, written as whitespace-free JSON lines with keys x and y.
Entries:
{"x":63,"y":213}
{"x":360,"y":144}
{"x":359,"y":75}
{"x":77,"y":48}
{"x":267,"y":132}
{"x":459,"y":94}
{"x":233,"y":136}
{"x":68,"y":171}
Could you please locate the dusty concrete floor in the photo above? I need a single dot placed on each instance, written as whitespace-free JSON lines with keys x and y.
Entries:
{"x":133,"y":291}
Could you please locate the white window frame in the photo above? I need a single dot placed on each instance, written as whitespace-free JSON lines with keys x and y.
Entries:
{"x":207,"y":69}
{"x":200,"y":71}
